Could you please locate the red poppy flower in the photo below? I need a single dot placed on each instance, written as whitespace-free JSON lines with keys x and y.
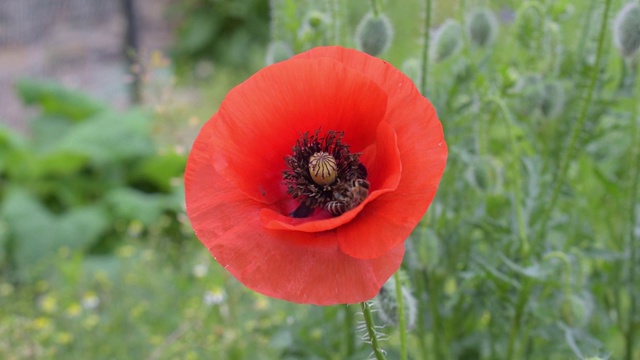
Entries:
{"x":306,"y":182}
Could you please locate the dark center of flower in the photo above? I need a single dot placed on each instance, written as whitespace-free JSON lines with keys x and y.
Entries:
{"x":323,"y":173}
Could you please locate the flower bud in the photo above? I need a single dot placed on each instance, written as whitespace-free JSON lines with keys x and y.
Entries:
{"x":278,"y":51}
{"x":576,"y":309}
{"x":482,"y":27}
{"x":374,"y":34}
{"x":530,"y":30}
{"x":530,"y":91}
{"x":388,"y":305}
{"x":317,"y":20}
{"x":626,"y":30}
{"x":447,"y":41}
{"x":553,"y":99}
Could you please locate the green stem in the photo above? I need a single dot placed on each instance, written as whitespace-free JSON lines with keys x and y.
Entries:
{"x":425,"y":48}
{"x":421,"y":331}
{"x":375,"y":8}
{"x":274,"y":21}
{"x":337,"y":20}
{"x":569,"y":153}
{"x":402,"y":323}
{"x":634,"y":241}
{"x":348,"y":324}
{"x":368,"y":319}
{"x":516,"y":323}
{"x":437,"y":332}
{"x":516,"y":173}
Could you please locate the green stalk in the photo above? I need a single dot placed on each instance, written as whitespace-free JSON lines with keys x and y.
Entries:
{"x":402,"y":323}
{"x":516,"y":323}
{"x":375,"y":8}
{"x":432,"y":290}
{"x":516,"y":173}
{"x":569,"y":153}
{"x":634,"y":241}
{"x":368,"y":319}
{"x":421,"y":331}
{"x":425,"y":48}
{"x":348,"y":324}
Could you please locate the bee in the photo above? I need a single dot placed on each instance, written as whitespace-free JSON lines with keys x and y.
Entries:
{"x":348,"y":196}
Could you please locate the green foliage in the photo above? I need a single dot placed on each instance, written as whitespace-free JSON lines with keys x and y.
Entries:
{"x":56,"y":100}
{"x":498,"y":269}
{"x":227,"y":32}
{"x":85,"y":172}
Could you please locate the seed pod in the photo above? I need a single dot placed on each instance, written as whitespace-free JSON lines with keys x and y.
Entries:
{"x":374,"y":34}
{"x":482,"y":27}
{"x":447,"y":41}
{"x":626,"y":30}
{"x":323,"y":168}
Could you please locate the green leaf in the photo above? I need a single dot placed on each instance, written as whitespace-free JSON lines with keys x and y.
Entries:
{"x":159,"y":170}
{"x":132,"y":204}
{"x":10,"y":141}
{"x":60,"y":163}
{"x":109,"y":137}
{"x":47,"y":129}
{"x":37,"y":233}
{"x":54,"y":99}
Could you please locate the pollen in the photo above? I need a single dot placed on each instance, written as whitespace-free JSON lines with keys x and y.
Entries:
{"x":323,"y":168}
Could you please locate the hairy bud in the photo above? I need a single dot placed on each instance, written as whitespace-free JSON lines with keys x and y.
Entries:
{"x":530,"y":92}
{"x":374,"y":34}
{"x":388,"y":305}
{"x":531,"y":31}
{"x":447,"y":41}
{"x":626,"y":30}
{"x":482,"y":27}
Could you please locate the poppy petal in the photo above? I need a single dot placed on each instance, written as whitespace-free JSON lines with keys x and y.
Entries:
{"x":388,"y":221}
{"x":293,"y":266}
{"x":260,"y":120}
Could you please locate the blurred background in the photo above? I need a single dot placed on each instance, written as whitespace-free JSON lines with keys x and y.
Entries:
{"x":99,"y":104}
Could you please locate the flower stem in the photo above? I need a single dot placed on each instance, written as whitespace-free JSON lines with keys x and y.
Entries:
{"x":515,"y":170}
{"x":368,"y":319}
{"x":634,"y":239}
{"x":425,"y":48}
{"x":420,"y":327}
{"x":569,"y":153}
{"x":521,"y":302}
{"x":348,"y":324}
{"x":402,"y":323}
{"x":375,"y":8}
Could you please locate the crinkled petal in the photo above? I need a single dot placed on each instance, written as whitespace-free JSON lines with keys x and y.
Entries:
{"x":289,"y":265}
{"x":260,"y":120}
{"x":386,"y":222}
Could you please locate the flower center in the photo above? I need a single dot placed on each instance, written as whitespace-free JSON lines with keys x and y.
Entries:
{"x":323,"y":174}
